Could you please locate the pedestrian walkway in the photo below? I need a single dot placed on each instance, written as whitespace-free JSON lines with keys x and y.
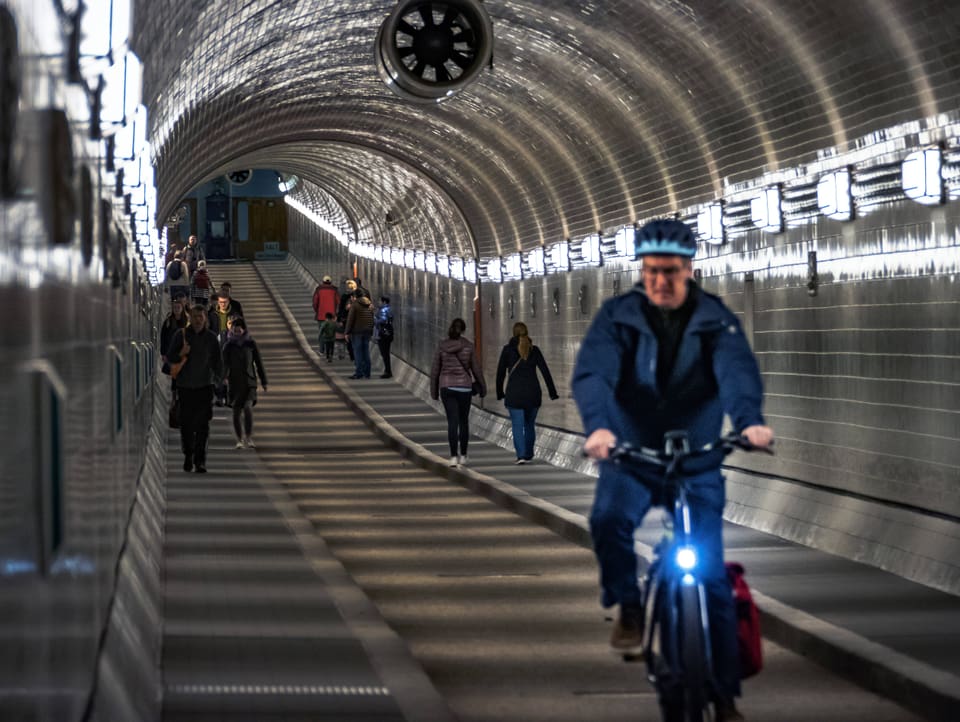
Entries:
{"x":261,"y":622}
{"x":891,"y":635}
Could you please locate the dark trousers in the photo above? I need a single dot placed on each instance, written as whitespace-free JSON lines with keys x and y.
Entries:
{"x":384,"y":345}
{"x":326,"y":348}
{"x":196,"y":410}
{"x":619,"y":506}
{"x":457,"y":406}
{"x":243,"y":405}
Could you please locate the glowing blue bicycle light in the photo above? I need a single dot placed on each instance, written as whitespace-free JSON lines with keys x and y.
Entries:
{"x":686,"y":558}
{"x":688,"y":580}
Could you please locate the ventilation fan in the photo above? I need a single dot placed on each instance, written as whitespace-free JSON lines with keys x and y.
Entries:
{"x":239,"y":177}
{"x":427,"y":51}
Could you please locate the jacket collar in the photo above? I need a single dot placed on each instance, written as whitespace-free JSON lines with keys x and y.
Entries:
{"x":707,"y":314}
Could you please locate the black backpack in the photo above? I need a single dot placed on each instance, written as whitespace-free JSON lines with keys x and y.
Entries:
{"x":386,"y":329}
{"x":176,"y":270}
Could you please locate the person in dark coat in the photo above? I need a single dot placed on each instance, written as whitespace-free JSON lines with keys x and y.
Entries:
{"x":343,"y":309}
{"x":358,"y":330}
{"x":226,"y":291}
{"x":177,"y":319}
{"x":383,"y":334}
{"x":193,"y":254}
{"x":665,"y":356}
{"x":454,"y":370}
{"x":520,"y":360}
{"x":242,"y":365}
{"x":195,"y":382}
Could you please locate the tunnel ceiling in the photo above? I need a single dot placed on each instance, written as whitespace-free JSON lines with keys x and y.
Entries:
{"x":593,"y":114}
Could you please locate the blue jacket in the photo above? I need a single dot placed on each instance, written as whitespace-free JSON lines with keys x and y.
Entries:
{"x":615,"y":377}
{"x":383,"y":323}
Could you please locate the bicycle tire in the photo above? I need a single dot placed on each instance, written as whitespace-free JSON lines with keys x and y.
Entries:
{"x":696,"y":697}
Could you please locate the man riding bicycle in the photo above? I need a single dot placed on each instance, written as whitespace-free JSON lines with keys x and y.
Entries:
{"x":666,"y":356}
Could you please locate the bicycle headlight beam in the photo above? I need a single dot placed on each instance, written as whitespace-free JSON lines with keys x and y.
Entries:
{"x":686,"y":558}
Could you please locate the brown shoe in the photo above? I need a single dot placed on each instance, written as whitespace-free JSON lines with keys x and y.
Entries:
{"x":628,"y":630}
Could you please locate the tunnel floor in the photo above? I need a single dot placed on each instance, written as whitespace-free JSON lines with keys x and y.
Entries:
{"x":324,"y":575}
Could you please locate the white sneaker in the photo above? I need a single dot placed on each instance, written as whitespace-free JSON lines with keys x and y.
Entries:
{"x":239,"y":444}
{"x":250,"y":444}
{"x":454,"y":461}
{"x":463,"y":459}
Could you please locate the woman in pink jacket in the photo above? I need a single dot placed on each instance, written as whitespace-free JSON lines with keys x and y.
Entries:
{"x":454,"y":377}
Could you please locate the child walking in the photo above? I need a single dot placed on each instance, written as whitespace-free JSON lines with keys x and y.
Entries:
{"x":328,"y":336}
{"x":242,"y":365}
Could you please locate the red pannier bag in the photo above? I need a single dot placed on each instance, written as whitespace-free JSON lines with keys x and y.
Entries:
{"x":748,"y":622}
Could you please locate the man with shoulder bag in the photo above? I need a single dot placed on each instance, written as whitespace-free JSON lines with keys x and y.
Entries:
{"x":197,"y":365}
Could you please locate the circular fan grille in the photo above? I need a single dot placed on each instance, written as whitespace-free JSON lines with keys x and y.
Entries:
{"x":427,"y":51}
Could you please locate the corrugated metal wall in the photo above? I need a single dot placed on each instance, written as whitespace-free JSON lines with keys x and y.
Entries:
{"x":862,"y":379}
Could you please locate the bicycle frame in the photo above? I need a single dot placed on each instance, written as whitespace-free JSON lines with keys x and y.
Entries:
{"x":677,"y":648}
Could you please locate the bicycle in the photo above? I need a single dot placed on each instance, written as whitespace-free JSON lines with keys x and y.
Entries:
{"x":676,"y":643}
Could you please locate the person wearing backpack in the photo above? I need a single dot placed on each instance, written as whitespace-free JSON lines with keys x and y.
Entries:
{"x":201,"y":284}
{"x":383,"y":334}
{"x":178,"y":277}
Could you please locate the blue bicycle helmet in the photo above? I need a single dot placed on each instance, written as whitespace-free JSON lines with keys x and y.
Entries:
{"x":664,"y":237}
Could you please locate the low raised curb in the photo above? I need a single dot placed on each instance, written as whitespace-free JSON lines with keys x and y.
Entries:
{"x":918,"y":686}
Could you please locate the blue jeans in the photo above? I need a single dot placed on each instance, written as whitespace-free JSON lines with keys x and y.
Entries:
{"x":524,"y":430}
{"x":361,"y":354}
{"x":619,"y":506}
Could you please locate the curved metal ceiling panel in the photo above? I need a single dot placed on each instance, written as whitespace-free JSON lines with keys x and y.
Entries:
{"x":593,"y":114}
{"x":388,"y":203}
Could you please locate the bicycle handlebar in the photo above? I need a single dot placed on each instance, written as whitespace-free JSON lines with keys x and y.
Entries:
{"x":727,"y":443}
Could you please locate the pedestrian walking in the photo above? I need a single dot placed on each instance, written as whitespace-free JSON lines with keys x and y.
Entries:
{"x":242,"y":365}
{"x":454,"y":377}
{"x":383,"y":334}
{"x":177,"y":277}
{"x":359,"y":330}
{"x":195,"y":381}
{"x":519,"y":362}
{"x":200,"y":284}
{"x":326,"y":300}
{"x":328,"y":336}
{"x":343,"y":309}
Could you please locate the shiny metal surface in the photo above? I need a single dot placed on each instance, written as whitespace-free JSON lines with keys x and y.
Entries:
{"x":593,"y":115}
{"x":862,"y":380}
{"x":77,"y":399}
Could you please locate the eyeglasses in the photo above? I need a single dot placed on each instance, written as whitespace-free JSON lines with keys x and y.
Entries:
{"x":668,"y":272}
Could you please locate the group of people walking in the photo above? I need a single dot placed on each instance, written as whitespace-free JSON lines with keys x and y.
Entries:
{"x":212,"y":359}
{"x":186,"y":272}
{"x":352,"y":319}
{"x":665,"y":356}
{"x":455,"y":376}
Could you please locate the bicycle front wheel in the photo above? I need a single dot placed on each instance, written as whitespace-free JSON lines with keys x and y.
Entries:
{"x":693,"y":655}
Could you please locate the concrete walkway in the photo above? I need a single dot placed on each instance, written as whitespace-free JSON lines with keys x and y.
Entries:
{"x":892,"y":636}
